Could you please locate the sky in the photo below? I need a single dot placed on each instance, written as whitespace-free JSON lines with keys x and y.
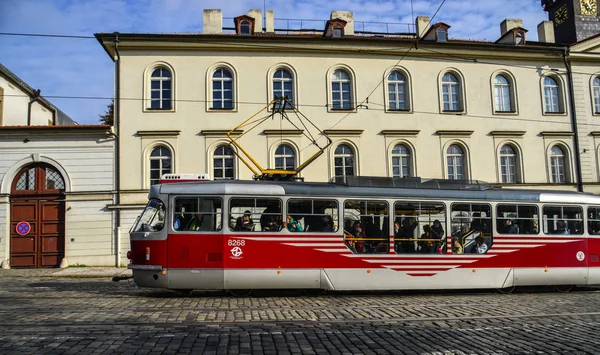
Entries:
{"x":80,"y":67}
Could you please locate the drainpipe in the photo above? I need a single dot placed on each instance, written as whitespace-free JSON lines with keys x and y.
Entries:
{"x":573,"y":120}
{"x":34,"y":98}
{"x":117,"y":124}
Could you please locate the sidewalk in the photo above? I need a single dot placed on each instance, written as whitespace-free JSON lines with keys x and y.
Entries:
{"x":93,"y":271}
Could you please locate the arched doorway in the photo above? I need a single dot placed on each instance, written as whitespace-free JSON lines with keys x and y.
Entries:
{"x":37,"y":216}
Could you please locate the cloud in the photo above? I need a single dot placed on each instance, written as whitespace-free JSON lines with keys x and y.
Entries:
{"x":79,"y":67}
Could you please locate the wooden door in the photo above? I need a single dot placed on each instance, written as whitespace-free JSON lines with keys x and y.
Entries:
{"x":37,"y":230}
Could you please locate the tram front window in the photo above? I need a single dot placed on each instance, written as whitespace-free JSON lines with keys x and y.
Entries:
{"x":366,"y":226}
{"x":197,"y":214}
{"x":152,"y":218}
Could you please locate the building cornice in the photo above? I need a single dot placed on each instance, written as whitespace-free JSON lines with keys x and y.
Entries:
{"x":399,"y":132}
{"x":220,"y":132}
{"x":343,"y":132}
{"x":557,"y":134}
{"x":56,"y":131}
{"x":595,"y":133}
{"x":159,"y":133}
{"x":454,"y":133}
{"x":283,"y":132}
{"x":507,"y":133}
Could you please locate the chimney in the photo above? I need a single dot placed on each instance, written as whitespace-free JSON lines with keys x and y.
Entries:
{"x":508,"y":24}
{"x":347,"y":16}
{"x":212,"y":21}
{"x":258,"y":19}
{"x":422,"y":25}
{"x":546,"y":32}
{"x":270,"y":25}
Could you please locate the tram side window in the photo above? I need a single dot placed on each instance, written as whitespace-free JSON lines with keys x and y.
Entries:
{"x":366,"y":226}
{"x":471,"y":228}
{"x":202,"y":214}
{"x":320,"y":216}
{"x":594,"y":220}
{"x":562,"y":220}
{"x":152,"y":218}
{"x":419,"y":227}
{"x":255,"y":215}
{"x":517,"y":219}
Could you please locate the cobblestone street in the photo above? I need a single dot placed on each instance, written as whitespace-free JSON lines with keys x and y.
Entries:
{"x":95,"y":315}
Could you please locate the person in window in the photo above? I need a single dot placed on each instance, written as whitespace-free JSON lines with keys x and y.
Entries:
{"x":244,"y":223}
{"x":358,"y":234}
{"x":509,"y":228}
{"x":561,"y":228}
{"x":327,"y":224}
{"x":479,"y":247}
{"x":456,"y":247}
{"x":406,"y":233}
{"x":426,"y":242}
{"x":271,"y":225}
{"x":195,"y":224}
{"x":437,"y":232}
{"x":293,"y":225}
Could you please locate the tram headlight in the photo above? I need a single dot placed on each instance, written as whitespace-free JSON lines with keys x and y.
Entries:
{"x":129,"y":255}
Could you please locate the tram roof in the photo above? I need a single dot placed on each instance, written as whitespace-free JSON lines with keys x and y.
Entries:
{"x":320,"y":189}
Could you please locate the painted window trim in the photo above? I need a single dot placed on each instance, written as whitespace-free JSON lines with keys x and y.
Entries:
{"x":408,"y":89}
{"x":462,"y":92}
{"x":209,"y":90}
{"x":146,"y":102}
{"x":329,"y":82}
{"x":562,"y":104}
{"x":513,"y":93}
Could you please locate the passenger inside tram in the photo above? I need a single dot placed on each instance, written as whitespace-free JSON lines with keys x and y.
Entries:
{"x":244,"y":223}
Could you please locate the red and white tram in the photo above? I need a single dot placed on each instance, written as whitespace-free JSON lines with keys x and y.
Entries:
{"x":362,"y":234}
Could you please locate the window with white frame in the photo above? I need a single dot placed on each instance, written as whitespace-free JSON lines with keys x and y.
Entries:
{"x":161,"y":91}
{"x":442,"y":34}
{"x":551,"y":95}
{"x":508,"y":164}
{"x":222,"y":89}
{"x":401,"y":161}
{"x":223,"y":163}
{"x":596,"y":93}
{"x":451,"y":93}
{"x":502,"y":94}
{"x":343,"y":160}
{"x":341,"y":90}
{"x":160,"y":163}
{"x":557,"y":165}
{"x":397,"y":93}
{"x":283,"y":86}
{"x":285,"y":158}
{"x":455,"y":158}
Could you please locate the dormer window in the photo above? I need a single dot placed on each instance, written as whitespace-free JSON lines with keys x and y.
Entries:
{"x":244,"y":25}
{"x":519,"y":37}
{"x":334,"y":28}
{"x":442,"y":34}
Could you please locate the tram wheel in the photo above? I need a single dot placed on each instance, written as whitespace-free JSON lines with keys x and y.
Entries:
{"x":240,"y":292}
{"x":506,"y":290}
{"x":311,"y":292}
{"x":563,"y":288}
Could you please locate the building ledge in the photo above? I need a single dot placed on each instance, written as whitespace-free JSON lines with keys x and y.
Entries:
{"x":220,"y":132}
{"x":343,"y":132}
{"x":399,"y":132}
{"x":507,"y":133}
{"x":557,"y":134}
{"x":173,"y":133}
{"x":454,"y":133}
{"x":283,"y":132}
{"x":595,"y":133}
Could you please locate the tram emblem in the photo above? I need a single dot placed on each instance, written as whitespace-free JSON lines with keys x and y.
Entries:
{"x":236,"y":253}
{"x":580,"y":256}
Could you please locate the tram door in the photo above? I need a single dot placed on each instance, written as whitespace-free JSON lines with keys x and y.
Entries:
{"x":196,"y":241}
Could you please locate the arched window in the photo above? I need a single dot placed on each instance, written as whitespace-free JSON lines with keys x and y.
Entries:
{"x":456,"y":162}
{"x":397,"y":94}
{"x":160,"y":163}
{"x":283,"y":86}
{"x":341,"y":92}
{"x":557,"y":165}
{"x":343,"y":161}
{"x":508,"y":165}
{"x":222,"y":89}
{"x":596,"y":89}
{"x":451,"y":93}
{"x":161,"y":89}
{"x":38,"y":178}
{"x":244,"y":27}
{"x":551,"y":95}
{"x":285,"y":158}
{"x":223,"y":167}
{"x":502,"y":94}
{"x":400,"y":161}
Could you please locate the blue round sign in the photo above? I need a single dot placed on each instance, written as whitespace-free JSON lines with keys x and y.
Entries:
{"x":23,"y":228}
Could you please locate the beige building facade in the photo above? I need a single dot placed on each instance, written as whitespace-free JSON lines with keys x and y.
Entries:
{"x":422,"y":104}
